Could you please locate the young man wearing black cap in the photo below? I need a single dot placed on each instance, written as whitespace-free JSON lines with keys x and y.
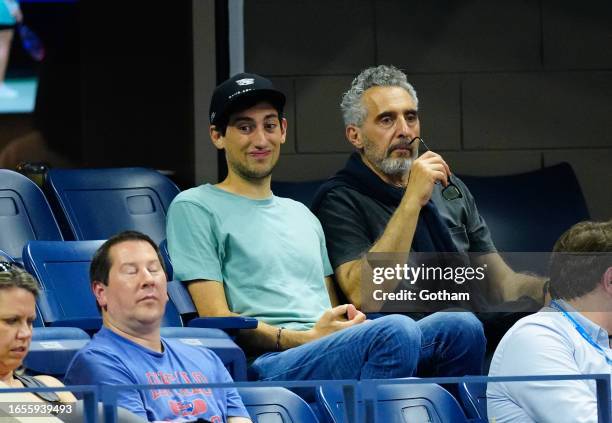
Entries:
{"x":244,"y":251}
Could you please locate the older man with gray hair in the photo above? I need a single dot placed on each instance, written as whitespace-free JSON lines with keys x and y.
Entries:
{"x":388,"y":199}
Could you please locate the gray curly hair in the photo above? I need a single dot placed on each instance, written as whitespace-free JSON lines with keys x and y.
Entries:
{"x":353,"y":110}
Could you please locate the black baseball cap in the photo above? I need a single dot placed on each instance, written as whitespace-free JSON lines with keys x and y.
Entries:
{"x":239,"y":88}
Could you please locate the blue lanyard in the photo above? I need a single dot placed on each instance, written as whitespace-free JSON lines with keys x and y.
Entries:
{"x":582,"y":332}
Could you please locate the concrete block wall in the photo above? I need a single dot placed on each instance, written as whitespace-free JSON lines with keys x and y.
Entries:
{"x":504,"y":86}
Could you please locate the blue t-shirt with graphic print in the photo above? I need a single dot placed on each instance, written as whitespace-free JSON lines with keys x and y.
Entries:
{"x":112,"y":359}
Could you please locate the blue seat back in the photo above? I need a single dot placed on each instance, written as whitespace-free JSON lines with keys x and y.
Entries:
{"x":163,"y":247}
{"x":399,"y":403}
{"x":181,"y":299}
{"x":528,"y":212}
{"x":52,"y":349}
{"x":4,"y":256}
{"x":62,"y":269}
{"x":216,"y":340}
{"x":474,"y":399}
{"x":299,"y":191}
{"x":276,"y":405}
{"x":99,"y":203}
{"x":25,"y":214}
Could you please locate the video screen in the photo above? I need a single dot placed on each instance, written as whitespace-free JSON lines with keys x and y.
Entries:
{"x":29,"y":29}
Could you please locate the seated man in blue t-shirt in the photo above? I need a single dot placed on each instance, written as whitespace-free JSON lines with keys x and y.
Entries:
{"x":129,"y":282}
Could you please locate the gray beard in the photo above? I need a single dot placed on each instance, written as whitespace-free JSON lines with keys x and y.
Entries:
{"x":391,"y":166}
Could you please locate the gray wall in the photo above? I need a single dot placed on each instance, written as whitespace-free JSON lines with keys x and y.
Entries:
{"x":204,"y":81}
{"x":504,"y":86}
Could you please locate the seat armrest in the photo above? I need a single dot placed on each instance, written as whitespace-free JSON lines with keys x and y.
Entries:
{"x":225,"y":323}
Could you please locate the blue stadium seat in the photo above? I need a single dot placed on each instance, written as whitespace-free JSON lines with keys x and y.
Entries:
{"x":62,"y":269}
{"x":4,"y":256}
{"x":399,"y":403}
{"x":182,"y":300}
{"x":529,"y":211}
{"x":163,"y":247}
{"x":24,"y":214}
{"x":474,"y":399}
{"x":276,"y":405}
{"x":98,"y":203}
{"x":216,"y":340}
{"x":210,"y":336}
{"x":299,"y":191}
{"x":52,"y":349}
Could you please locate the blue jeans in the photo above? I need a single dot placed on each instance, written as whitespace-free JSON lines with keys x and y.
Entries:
{"x":442,"y":344}
{"x":452,"y":344}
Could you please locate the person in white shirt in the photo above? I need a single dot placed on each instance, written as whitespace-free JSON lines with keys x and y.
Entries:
{"x":568,"y":337}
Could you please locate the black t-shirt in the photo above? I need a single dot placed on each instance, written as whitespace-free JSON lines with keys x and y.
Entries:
{"x":353,"y":222}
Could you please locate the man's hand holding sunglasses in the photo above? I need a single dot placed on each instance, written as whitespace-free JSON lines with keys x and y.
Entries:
{"x":427,"y":170}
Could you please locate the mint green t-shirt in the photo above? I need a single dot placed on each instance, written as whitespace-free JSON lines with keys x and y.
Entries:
{"x":270,"y":254}
{"x":6,"y":16}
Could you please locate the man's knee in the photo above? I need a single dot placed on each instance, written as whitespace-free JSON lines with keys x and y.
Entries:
{"x":463,"y":328}
{"x":395,"y":345}
{"x":400,"y":328}
{"x":467,"y":325}
{"x":457,"y":323}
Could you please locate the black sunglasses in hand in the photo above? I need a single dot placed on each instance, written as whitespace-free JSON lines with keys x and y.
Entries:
{"x":451,"y":191}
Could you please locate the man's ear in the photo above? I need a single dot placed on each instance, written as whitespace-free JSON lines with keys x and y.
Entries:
{"x":99,"y":291}
{"x":283,"y":126}
{"x":606,"y":280}
{"x":353,"y":135}
{"x":216,"y":137}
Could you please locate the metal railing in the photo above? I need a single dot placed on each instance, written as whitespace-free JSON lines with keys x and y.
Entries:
{"x":360,"y":397}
